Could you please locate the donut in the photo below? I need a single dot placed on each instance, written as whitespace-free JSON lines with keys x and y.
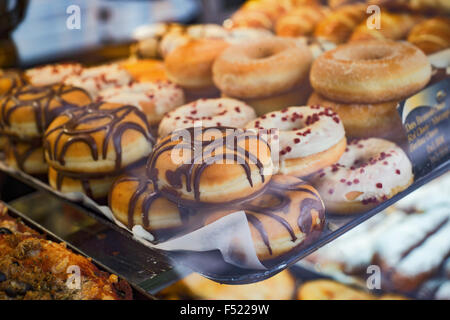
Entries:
{"x":371,"y":71}
{"x":134,"y":201}
{"x":210,"y":165}
{"x":26,"y":156}
{"x":369,"y":172}
{"x":95,"y":187}
{"x":153,"y":98}
{"x":145,"y":70}
{"x":301,"y":21}
{"x":99,"y":138}
{"x":365,"y":120}
{"x":309,"y":138}
{"x":28,"y":110}
{"x":96,"y":79}
{"x":289,"y":214}
{"x":10,"y":80}
{"x":171,"y":41}
{"x":207,"y":113}
{"x":271,"y":67}
{"x":52,"y":73}
{"x":190,"y":66}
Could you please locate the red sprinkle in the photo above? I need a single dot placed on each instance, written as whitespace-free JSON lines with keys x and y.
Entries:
{"x":379,"y":185}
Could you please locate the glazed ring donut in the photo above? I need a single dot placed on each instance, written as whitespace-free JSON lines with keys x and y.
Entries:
{"x":210,"y":165}
{"x":153,"y":98}
{"x":309,"y":138}
{"x":133,"y":201}
{"x":99,"y":138}
{"x":95,"y":187}
{"x":52,"y":74}
{"x":207,"y":113}
{"x":96,"y":79}
{"x":365,"y":120}
{"x":289,"y":214}
{"x":28,"y":111}
{"x":10,"y":80}
{"x":26,"y":156}
{"x":372,"y":71}
{"x":369,"y":172}
{"x":261,"y":68}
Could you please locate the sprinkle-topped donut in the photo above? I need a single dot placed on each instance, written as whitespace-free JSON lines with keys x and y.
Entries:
{"x":153,"y":98}
{"x":370,"y":171}
{"x":100,"y":78}
{"x":207,"y":113}
{"x":52,"y":73}
{"x":309,"y":138}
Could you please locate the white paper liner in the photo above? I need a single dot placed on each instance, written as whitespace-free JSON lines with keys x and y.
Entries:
{"x":227,"y":234}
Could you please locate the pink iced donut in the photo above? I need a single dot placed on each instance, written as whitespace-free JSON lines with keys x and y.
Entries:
{"x":154,"y":98}
{"x":309,"y":138}
{"x":370,"y":171}
{"x":52,"y":73}
{"x":207,"y":113}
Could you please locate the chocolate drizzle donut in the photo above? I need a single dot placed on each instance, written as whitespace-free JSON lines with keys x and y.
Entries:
{"x":40,"y":104}
{"x":216,"y":165}
{"x":108,"y":121}
{"x":27,"y":156}
{"x":288,"y":214}
{"x":10,"y":80}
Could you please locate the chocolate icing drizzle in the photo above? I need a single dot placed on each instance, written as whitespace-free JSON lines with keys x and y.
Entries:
{"x":43,"y":105}
{"x":21,"y":156}
{"x":15,"y":78}
{"x":211,"y":152}
{"x":280,"y":205}
{"x":113,"y":128}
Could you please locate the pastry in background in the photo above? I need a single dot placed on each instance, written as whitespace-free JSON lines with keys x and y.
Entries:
{"x":194,"y":286}
{"x":301,"y":21}
{"x":330,"y":290}
{"x":146,"y":70}
{"x":333,"y":4}
{"x":431,"y":35}
{"x":422,"y":6}
{"x":52,"y":73}
{"x":338,"y":26}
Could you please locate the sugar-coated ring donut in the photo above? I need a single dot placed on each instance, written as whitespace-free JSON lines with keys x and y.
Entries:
{"x":27,"y":156}
{"x":289,"y":214}
{"x":309,"y":138}
{"x":261,"y":68}
{"x":189,"y":65}
{"x":365,"y":120}
{"x":153,"y":98}
{"x":27,"y":111}
{"x":369,"y":172}
{"x":207,"y":113}
{"x":94,"y":186}
{"x":210,"y":165}
{"x":371,"y":71}
{"x":52,"y":73}
{"x":98,"y":138}
{"x":134,"y":201}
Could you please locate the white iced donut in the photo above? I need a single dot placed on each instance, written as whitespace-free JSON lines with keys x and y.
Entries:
{"x":154,"y":98}
{"x":52,"y":73}
{"x":223,"y":112}
{"x":96,"y":79}
{"x":309,"y":138}
{"x":369,"y":172}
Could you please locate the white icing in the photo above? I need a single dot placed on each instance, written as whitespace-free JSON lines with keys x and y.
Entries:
{"x":163,"y":95}
{"x":299,"y":135}
{"x":207,"y":31}
{"x":243,"y":35}
{"x":380,"y":167}
{"x":394,"y":243}
{"x":207,"y":113}
{"x":51,"y":74}
{"x":100,"y":78}
{"x":443,"y":293}
{"x":429,"y":256}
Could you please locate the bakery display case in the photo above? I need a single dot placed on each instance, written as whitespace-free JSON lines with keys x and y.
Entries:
{"x":209,"y":150}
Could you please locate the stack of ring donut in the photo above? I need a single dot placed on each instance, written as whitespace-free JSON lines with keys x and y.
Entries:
{"x":368,"y":78}
{"x":269,"y":74}
{"x":153,"y":98}
{"x":369,"y":172}
{"x":25,"y":113}
{"x":210,"y":165}
{"x":308,"y":138}
{"x":87,"y":148}
{"x":207,"y":113}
